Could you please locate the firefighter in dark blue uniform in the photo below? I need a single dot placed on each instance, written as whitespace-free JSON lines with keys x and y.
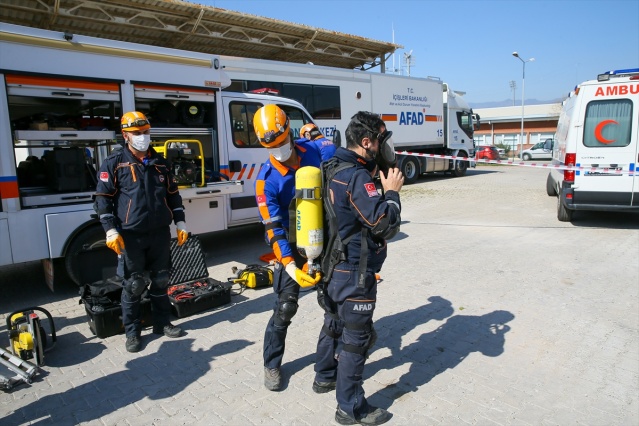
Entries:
{"x":309,"y":132}
{"x":274,"y":191}
{"x":136,"y":199}
{"x":365,"y":220}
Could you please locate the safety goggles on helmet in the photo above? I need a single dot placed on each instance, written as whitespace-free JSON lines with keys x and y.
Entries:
{"x":271,"y":136}
{"x":137,"y":123}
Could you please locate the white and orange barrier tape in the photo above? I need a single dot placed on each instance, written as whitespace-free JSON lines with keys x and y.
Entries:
{"x":592,"y":170}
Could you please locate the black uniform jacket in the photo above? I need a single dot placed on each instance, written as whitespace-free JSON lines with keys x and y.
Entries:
{"x":358,"y":204}
{"x":135,"y":195}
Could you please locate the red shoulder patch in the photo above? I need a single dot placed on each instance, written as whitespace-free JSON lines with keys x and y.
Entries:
{"x":370,"y":188}
{"x":104,"y":176}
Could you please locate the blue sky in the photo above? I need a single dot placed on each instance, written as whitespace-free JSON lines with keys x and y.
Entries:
{"x":469,"y":43}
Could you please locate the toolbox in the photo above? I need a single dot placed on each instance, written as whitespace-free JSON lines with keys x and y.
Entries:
{"x":101,"y":294}
{"x":190,"y":288}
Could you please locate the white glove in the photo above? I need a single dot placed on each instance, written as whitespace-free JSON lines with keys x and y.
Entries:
{"x":182,"y":234}
{"x":114,"y":241}
{"x":301,"y":277}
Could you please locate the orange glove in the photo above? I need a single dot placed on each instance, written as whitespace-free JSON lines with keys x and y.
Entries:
{"x":114,"y":241}
{"x":182,"y":234}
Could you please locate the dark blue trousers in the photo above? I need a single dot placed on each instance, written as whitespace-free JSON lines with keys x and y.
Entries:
{"x":146,"y":252}
{"x":337,"y":357}
{"x":287,"y":292}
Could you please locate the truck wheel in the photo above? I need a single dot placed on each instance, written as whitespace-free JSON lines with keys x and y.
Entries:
{"x":563,"y":214}
{"x":550,"y":187}
{"x":410,"y":169}
{"x":460,"y":168}
{"x":92,"y":237}
{"x":526,"y":157}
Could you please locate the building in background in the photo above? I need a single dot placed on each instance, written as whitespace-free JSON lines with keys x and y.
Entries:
{"x":502,"y":126}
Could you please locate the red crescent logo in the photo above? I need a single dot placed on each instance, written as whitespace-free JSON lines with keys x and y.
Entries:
{"x":600,"y":128}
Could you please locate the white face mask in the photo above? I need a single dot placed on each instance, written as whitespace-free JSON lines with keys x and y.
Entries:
{"x":140,"y":142}
{"x":282,"y":153}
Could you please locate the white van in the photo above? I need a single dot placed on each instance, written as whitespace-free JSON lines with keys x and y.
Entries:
{"x":539,"y":151}
{"x":597,"y":132}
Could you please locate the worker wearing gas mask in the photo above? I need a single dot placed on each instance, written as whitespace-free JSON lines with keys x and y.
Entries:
{"x":310,"y":132}
{"x":366,"y":219}
{"x":136,"y":200}
{"x":274,"y":191}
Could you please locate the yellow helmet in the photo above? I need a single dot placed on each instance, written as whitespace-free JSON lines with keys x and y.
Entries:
{"x":271,"y":125}
{"x":134,"y":120}
{"x":312,"y":129}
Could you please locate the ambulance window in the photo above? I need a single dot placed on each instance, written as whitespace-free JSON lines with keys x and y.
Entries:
{"x":608,"y":123}
{"x":242,"y":124}
{"x":297,"y":119}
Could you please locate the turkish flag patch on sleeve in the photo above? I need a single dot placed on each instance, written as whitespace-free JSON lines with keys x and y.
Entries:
{"x":104,"y":176}
{"x":370,"y":188}
{"x":261,"y":200}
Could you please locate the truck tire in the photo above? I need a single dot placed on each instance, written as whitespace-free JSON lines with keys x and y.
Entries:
{"x":563,"y":214}
{"x":526,"y":157}
{"x":550,"y":187}
{"x":460,"y":168}
{"x":92,"y":237}
{"x":409,"y":167}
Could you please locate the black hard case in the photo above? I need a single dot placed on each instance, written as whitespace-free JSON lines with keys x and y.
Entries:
{"x":105,"y":319}
{"x":189,"y":275}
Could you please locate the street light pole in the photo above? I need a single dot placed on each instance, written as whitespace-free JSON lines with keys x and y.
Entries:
{"x":523,"y":87}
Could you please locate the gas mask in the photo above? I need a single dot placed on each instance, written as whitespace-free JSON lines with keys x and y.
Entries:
{"x":140,"y":142}
{"x":281,"y":153}
{"x":385,"y":157}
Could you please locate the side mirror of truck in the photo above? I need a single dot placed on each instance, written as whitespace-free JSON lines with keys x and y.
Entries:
{"x":337,"y":138}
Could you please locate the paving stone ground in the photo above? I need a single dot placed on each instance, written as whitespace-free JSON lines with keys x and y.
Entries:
{"x":490,"y":311}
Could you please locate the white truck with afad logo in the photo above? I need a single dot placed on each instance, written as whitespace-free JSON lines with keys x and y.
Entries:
{"x":432,"y":125}
{"x":61,"y":99}
{"x":596,"y":148}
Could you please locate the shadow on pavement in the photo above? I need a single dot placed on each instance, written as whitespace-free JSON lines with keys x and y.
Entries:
{"x":606,"y":220}
{"x":156,"y":376}
{"x":444,"y":348}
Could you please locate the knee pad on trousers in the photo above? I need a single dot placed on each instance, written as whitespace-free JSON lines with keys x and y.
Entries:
{"x":286,"y":312}
{"x":135,"y":285}
{"x":161,"y":280}
{"x":370,"y":336}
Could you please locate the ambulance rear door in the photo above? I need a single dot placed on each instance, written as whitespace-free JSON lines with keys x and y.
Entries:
{"x":608,"y":145}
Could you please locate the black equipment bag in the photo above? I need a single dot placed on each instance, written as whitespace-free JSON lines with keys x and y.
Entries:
{"x":102,"y":291}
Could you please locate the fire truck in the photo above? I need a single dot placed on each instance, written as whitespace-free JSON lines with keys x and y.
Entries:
{"x":61,"y":97}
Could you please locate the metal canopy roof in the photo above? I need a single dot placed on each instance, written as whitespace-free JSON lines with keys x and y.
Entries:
{"x":189,"y":26}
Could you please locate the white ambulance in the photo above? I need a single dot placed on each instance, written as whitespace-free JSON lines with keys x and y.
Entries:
{"x":598,"y":133}
{"x":61,"y":96}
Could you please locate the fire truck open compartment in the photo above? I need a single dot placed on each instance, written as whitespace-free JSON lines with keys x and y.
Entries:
{"x":62,"y":128}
